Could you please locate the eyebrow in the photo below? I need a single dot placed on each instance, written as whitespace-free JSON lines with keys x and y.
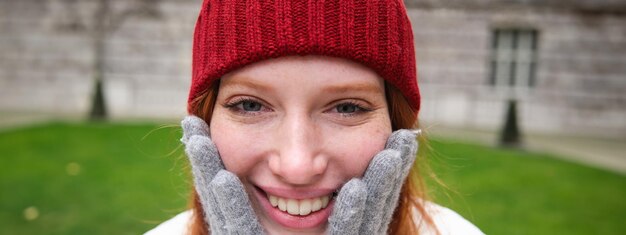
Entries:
{"x":246,"y":84}
{"x":342,"y":88}
{"x":368,"y":88}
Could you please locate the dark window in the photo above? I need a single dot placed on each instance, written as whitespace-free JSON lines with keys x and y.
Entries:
{"x":513,"y":57}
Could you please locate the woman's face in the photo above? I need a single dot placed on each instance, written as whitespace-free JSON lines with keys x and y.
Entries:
{"x":294,"y":130}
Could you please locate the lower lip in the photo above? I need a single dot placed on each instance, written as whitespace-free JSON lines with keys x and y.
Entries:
{"x":309,"y":221}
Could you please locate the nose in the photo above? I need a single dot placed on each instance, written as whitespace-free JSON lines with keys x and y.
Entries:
{"x":298,"y":158}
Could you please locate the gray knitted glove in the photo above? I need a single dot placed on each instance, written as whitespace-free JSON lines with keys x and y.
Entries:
{"x":365,"y":206}
{"x":225,"y":202}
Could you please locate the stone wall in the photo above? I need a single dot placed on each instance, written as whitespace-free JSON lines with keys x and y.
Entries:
{"x":149,"y":62}
{"x":598,"y":6}
{"x":48,"y":56}
{"x":48,"y":60}
{"x":581,"y":73}
{"x":45,"y":61}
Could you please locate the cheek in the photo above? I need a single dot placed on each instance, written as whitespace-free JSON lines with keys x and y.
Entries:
{"x":236,"y":149}
{"x":355,"y":149}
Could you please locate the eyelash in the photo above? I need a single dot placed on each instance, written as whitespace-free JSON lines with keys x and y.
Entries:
{"x":233,"y":105}
{"x":359,"y":108}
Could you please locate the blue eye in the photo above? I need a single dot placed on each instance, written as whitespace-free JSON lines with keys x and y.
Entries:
{"x":348,"y":108}
{"x":250,"y":106}
{"x":247,"y":106}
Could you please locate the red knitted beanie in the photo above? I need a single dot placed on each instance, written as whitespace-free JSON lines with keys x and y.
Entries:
{"x":375,"y":33}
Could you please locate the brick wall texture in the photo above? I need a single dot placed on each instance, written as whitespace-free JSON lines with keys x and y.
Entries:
{"x":48,"y":60}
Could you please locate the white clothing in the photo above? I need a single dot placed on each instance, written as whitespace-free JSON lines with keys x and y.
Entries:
{"x":175,"y":226}
{"x":447,"y":221}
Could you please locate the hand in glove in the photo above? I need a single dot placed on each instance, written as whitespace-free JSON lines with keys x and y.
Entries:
{"x":365,"y":206}
{"x":225,"y":202}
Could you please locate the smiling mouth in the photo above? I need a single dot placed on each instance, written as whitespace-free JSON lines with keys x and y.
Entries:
{"x":299,"y":206}
{"x":299,"y":209}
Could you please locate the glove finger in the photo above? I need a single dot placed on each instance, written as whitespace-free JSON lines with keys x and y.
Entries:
{"x":204,"y":158}
{"x":205,"y":164}
{"x":347,"y":215}
{"x":406,"y":143}
{"x":193,"y":125}
{"x":234,"y":203}
{"x":408,"y":156}
{"x":212,"y":213}
{"x":401,"y":138}
{"x":380,"y":180}
{"x":392,"y":199}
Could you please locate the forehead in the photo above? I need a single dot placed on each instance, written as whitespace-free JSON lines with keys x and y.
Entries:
{"x":307,"y":70}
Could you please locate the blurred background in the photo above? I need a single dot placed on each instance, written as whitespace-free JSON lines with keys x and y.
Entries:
{"x":525,"y":101}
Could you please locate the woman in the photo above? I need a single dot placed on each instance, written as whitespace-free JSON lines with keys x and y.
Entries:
{"x":307,"y":103}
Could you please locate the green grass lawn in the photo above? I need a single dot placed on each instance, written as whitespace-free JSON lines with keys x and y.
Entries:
{"x":100,"y":178}
{"x":516,"y":192}
{"x":129,"y":178}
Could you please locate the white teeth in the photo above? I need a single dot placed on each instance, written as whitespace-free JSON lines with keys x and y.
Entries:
{"x":316,"y":204}
{"x":282,"y":205}
{"x":299,"y":207}
{"x":305,"y":207}
{"x":292,"y":207}
{"x":324,"y":202}
{"x":273,"y":201}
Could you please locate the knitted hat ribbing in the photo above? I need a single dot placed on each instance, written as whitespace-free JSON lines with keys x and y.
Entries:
{"x":375,"y":33}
